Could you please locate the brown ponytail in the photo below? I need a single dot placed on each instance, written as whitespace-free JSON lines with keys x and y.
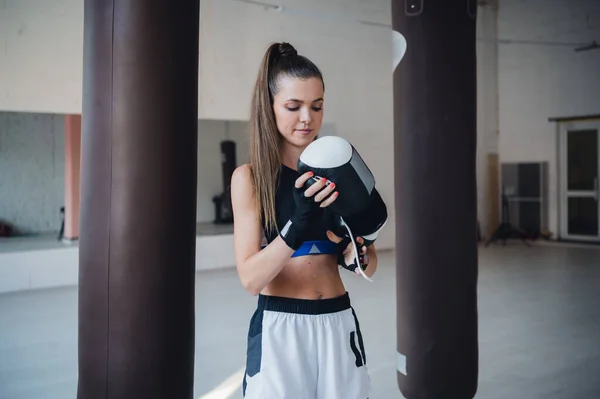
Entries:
{"x":280,"y":59}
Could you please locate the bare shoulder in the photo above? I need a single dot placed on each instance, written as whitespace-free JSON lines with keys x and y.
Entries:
{"x":242,"y":172}
{"x":241,"y":179}
{"x":242,"y":188}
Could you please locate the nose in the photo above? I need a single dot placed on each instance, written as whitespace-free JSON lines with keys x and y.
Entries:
{"x":305,"y":115}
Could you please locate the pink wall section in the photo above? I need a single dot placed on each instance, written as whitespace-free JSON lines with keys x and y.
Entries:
{"x":72,"y":166}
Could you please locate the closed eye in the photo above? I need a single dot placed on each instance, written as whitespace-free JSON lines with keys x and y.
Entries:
{"x":316,"y":109}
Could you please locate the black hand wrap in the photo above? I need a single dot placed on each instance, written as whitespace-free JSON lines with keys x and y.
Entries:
{"x":342,"y":245}
{"x":295,"y":230}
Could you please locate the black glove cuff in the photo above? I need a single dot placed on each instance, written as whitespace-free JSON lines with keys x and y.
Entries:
{"x":295,"y":230}
{"x":293,"y":233}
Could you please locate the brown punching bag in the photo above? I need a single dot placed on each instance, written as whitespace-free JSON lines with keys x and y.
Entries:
{"x":138,"y":199}
{"x":436,"y":201}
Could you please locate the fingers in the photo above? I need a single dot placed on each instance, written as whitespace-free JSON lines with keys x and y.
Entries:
{"x":359,"y":245}
{"x":320,"y":190}
{"x":362,"y":250}
{"x":333,"y":237}
{"x":349,"y":256}
{"x":325,"y":202}
{"x":303,"y":179}
{"x":325,"y":192}
{"x":314,"y":187}
{"x":364,"y":258}
{"x":364,"y":262}
{"x":360,"y":242}
{"x":329,"y":200}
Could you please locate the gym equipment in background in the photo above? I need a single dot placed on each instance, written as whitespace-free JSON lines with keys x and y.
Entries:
{"x":223,"y":207}
{"x":61,"y":232}
{"x":506,"y":230}
{"x":524,"y":202}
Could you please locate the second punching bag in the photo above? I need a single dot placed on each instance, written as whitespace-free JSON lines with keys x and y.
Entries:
{"x":436,"y":202}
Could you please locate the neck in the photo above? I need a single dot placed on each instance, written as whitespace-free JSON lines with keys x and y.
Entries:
{"x":290,"y":155}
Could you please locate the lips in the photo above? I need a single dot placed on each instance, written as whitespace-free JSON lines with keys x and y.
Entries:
{"x":304,"y":131}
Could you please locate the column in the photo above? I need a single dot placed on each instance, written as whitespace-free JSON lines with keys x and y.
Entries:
{"x":138,"y":199}
{"x":72,"y":165}
{"x":488,"y":161}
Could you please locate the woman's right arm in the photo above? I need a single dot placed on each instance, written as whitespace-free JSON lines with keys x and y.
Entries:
{"x":256,"y":267}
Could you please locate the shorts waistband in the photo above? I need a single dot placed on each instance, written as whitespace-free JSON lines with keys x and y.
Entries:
{"x":304,"y":306}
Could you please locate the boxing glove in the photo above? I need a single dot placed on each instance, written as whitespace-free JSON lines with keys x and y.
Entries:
{"x":335,"y":159}
{"x":359,"y":203}
{"x":360,"y":211}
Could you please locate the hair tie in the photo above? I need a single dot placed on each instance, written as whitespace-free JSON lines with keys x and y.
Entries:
{"x":287,"y":50}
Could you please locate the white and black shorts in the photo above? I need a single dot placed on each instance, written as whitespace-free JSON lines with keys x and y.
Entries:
{"x":305,"y":349}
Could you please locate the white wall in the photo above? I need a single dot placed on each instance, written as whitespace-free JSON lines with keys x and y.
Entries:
{"x":538,"y":81}
{"x":40,"y":65}
{"x":32,"y":170}
{"x":41,"y":57}
{"x":55,"y":265}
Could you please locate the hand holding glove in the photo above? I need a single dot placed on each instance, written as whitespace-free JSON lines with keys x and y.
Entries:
{"x":309,"y":199}
{"x":346,"y":254}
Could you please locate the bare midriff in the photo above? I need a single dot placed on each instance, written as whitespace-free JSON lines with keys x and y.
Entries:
{"x":308,"y":277}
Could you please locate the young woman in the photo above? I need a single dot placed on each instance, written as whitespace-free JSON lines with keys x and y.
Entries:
{"x":304,"y":339}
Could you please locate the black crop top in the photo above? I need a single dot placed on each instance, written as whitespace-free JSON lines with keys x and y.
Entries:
{"x":285,"y":208}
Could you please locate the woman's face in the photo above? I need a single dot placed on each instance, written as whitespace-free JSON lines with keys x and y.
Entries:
{"x":298,"y":108}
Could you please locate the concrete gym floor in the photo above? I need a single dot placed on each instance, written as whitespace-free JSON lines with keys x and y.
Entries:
{"x":539,"y":328}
